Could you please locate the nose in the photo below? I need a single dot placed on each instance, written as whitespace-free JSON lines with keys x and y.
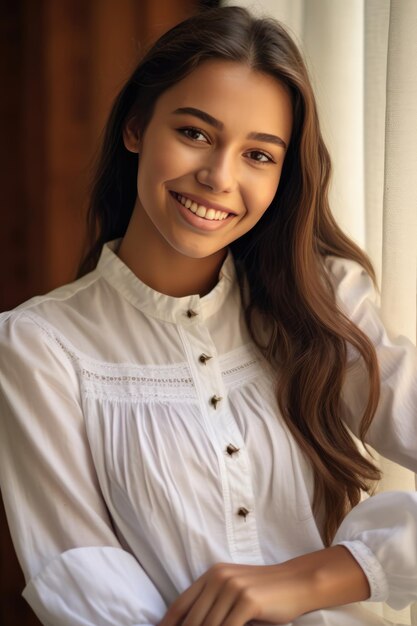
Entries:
{"x":217,"y":172}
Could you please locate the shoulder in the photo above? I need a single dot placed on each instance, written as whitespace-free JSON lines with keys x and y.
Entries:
{"x":35,"y":326}
{"x":64,"y":297}
{"x":29,"y":348}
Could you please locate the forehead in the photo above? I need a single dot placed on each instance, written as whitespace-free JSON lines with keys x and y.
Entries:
{"x":233,"y":93}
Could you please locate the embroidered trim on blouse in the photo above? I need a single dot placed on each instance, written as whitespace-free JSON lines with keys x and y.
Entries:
{"x":129,"y":382}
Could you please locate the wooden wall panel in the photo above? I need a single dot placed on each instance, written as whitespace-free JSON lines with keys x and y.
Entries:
{"x":111,"y":31}
{"x":33,"y":123}
{"x":67,"y":143}
{"x":62,"y":64}
{"x":159,"y":16}
{"x":21,"y":123}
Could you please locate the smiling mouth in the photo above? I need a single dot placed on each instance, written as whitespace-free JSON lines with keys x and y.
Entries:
{"x":200,"y":210}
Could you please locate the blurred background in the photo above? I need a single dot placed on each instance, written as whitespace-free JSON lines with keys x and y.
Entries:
{"x":62,"y":64}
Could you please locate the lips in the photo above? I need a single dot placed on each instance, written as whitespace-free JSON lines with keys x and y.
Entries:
{"x":203,"y":208}
{"x":198,"y":216}
{"x":205,"y":213}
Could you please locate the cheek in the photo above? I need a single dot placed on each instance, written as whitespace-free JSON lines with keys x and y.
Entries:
{"x":167,"y":160}
{"x":261,"y":193}
{"x":155,"y":163}
{"x":270,"y":192}
{"x":154,"y":169}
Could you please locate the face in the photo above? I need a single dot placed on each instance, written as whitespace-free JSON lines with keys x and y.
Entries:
{"x":210,"y":158}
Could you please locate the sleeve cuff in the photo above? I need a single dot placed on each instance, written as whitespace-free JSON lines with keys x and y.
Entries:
{"x":90,"y":586}
{"x":372,"y":568}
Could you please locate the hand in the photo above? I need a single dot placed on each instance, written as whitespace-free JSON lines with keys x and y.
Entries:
{"x":232,"y":595}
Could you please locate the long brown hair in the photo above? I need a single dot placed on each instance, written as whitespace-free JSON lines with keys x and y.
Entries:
{"x":281,"y":258}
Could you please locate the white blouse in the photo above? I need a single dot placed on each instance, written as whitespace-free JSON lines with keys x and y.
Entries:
{"x":140,"y":443}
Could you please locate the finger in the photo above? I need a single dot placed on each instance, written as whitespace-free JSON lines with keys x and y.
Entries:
{"x":211,"y":607}
{"x":213,"y":613}
{"x":242,"y":612}
{"x":180,"y":607}
{"x":199,"y":610}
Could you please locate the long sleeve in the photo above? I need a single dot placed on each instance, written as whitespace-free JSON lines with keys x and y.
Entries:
{"x":393,"y":432}
{"x":381,"y":532}
{"x":76,"y":571}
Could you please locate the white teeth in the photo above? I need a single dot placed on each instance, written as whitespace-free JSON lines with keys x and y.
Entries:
{"x":200,"y":210}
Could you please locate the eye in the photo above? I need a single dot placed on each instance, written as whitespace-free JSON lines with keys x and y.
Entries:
{"x":192,"y":133}
{"x":261,"y":157}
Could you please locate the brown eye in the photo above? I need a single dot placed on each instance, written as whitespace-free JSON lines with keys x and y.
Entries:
{"x":261,"y":157}
{"x":192,"y":133}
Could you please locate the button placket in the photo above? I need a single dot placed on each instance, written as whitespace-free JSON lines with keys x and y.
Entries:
{"x":235,"y":473}
{"x":202,"y":359}
{"x":242,"y":498}
{"x":242,"y":510}
{"x":215,"y":399}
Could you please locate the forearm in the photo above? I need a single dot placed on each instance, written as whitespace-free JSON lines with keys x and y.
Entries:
{"x":329,"y":577}
{"x":270,"y":593}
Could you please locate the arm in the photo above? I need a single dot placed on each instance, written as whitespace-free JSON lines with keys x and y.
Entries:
{"x":381,"y":532}
{"x":75,"y":569}
{"x":232,"y":595}
{"x":393,"y":432}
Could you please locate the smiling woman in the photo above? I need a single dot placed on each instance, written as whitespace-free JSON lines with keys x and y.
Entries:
{"x":194,"y":462}
{"x":230,"y":158}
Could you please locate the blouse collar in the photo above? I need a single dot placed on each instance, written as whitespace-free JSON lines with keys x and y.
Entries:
{"x":184,"y":310}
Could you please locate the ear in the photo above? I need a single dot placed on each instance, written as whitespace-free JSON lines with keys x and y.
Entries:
{"x":131,"y":138}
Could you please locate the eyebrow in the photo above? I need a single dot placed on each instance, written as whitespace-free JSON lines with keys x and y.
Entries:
{"x":209,"y":119}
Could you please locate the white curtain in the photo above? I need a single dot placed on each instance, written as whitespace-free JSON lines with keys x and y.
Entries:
{"x":362,"y":56}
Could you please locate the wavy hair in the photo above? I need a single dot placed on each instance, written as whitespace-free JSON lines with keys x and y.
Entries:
{"x":280,"y":261}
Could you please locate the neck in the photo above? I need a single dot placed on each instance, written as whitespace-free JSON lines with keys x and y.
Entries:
{"x":161,"y":267}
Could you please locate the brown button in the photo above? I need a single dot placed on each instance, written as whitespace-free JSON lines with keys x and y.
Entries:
{"x":215,"y":400}
{"x":243,"y":512}
{"x":191,"y":313}
{"x":231,"y":449}
{"x":204,"y":357}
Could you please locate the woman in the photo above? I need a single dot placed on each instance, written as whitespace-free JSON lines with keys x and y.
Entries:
{"x":176,"y":444}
